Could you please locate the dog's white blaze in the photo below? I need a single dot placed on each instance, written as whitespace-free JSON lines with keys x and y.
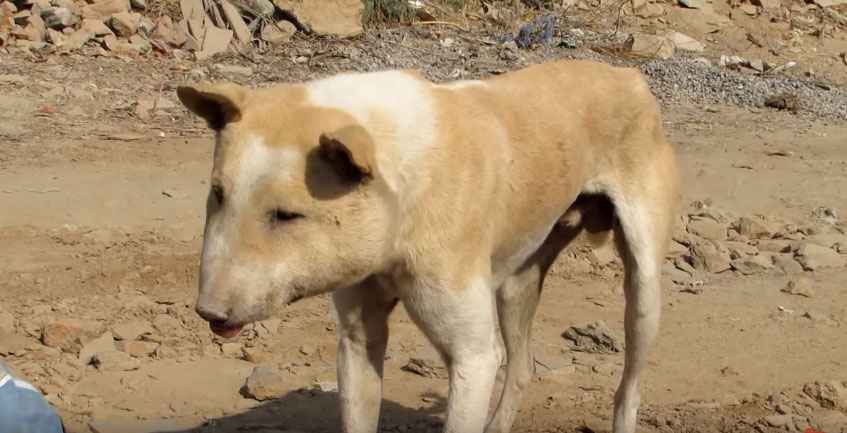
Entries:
{"x":398,"y":97}
{"x":258,"y":162}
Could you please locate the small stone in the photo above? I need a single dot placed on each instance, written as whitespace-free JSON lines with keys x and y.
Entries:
{"x":231,"y":349}
{"x":814,"y":257}
{"x":707,"y":256}
{"x":104,"y":8}
{"x":264,"y":384}
{"x":779,"y":420}
{"x":243,"y":71}
{"x":101,"y":344}
{"x":165,"y":352}
{"x":751,"y":265}
{"x":139,"y":44}
{"x":757,"y":64}
{"x":693,"y":4}
{"x":307,"y":349}
{"x":114,"y":360}
{"x":787,"y":264}
{"x":650,"y":46}
{"x":685,"y":43}
{"x":602,"y":255}
{"x":215,"y":40}
{"x":594,"y":337}
{"x":427,"y":364}
{"x":58,"y":18}
{"x":132,"y":330}
{"x":749,"y":9}
{"x":800,"y":287}
{"x":707,"y":228}
{"x":140,"y":349}
{"x":253,"y":354}
{"x":96,"y":27}
{"x":774,"y":245}
{"x":755,"y":227}
{"x":70,"y":334}
{"x":125,"y":23}
{"x":166,"y":324}
{"x":168,"y":33}
{"x":281,"y":32}
{"x":263,"y":7}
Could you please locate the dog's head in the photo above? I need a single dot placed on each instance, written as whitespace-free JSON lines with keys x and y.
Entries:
{"x":295,"y":206}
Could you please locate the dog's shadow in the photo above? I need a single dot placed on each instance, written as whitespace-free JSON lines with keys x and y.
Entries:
{"x":315,"y":411}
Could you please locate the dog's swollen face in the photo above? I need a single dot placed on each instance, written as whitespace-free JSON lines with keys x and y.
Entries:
{"x":293,"y":209}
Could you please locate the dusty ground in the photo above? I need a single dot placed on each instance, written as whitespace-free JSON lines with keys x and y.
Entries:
{"x":101,"y":219}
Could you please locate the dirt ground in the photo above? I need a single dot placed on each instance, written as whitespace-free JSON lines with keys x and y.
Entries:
{"x":101,"y":219}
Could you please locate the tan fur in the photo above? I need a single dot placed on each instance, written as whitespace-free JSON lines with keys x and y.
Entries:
{"x":439,"y":217}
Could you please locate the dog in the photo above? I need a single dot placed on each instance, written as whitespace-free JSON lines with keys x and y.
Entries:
{"x":453,"y":198}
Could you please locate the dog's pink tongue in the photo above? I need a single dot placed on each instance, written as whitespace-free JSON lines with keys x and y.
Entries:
{"x":224,"y":330}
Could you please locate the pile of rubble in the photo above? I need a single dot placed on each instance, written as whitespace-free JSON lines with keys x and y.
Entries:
{"x":207,"y":27}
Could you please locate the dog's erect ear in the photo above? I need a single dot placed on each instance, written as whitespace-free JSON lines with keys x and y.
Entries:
{"x":350,"y":150}
{"x":218,"y":104}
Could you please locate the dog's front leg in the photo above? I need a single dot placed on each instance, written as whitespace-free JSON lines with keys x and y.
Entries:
{"x":363,"y":335}
{"x":460,"y":323}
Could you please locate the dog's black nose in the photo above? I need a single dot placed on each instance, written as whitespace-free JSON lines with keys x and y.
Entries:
{"x":210,"y":315}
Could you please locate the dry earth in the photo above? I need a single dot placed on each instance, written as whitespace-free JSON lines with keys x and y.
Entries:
{"x":101,"y":213}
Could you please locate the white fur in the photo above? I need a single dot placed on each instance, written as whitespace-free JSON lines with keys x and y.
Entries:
{"x":464,"y":84}
{"x":259,"y":162}
{"x":399,"y":96}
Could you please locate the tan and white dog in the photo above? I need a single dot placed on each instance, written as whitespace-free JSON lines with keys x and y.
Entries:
{"x":454,"y":199}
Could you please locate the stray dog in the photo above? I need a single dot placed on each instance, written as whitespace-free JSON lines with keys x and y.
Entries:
{"x":454,"y":199}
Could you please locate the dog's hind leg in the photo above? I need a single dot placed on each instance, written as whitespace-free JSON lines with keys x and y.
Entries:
{"x":645,"y":217}
{"x":363,"y":335}
{"x":517,"y":300}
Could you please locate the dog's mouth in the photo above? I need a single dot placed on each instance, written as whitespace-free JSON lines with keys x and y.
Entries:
{"x":225,"y":329}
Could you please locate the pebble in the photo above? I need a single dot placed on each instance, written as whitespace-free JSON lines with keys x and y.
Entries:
{"x":264,"y":384}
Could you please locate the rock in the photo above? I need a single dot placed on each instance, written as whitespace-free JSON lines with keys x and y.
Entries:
{"x":231,"y":349}
{"x":821,"y":318}
{"x":427,"y":363}
{"x":693,"y":4}
{"x":70,"y":334}
{"x":138,"y":4}
{"x":649,"y":46}
{"x":749,"y":9}
{"x":787,"y":264}
{"x":132,"y":330}
{"x":77,"y":40}
{"x":125,"y":23}
{"x":146,"y":27}
{"x":553,"y":365}
{"x":96,"y":27}
{"x":7,"y":323}
{"x":265,"y":8}
{"x":278,"y":33}
{"x":165,"y":352}
{"x":814,"y":257}
{"x":593,"y":337}
{"x":169,"y":34}
{"x":651,"y":10}
{"x":103,"y":343}
{"x":740,"y":249}
{"x":676,"y":249}
{"x":707,"y":256}
{"x":58,"y":18}
{"x":103,"y":9}
{"x":800,"y":287}
{"x":243,"y":71}
{"x":253,"y":354}
{"x":828,"y":420}
{"x":264,"y":384}
{"x":830,"y":395}
{"x":782,"y":421}
{"x":602,"y":255}
{"x":139,"y":44}
{"x":774,"y":245}
{"x":755,"y":227}
{"x":166,"y":324}
{"x":114,"y":360}
{"x":751,"y":265}
{"x":135,"y":426}
{"x":307,"y":349}
{"x":140,"y":349}
{"x":757,"y":64}
{"x":215,"y":40}
{"x":685,"y":43}
{"x":342,"y":18}
{"x":236,"y":22}
{"x":707,"y":228}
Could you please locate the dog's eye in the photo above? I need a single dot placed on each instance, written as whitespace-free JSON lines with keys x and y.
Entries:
{"x":281,"y":216}
{"x":218,"y":192}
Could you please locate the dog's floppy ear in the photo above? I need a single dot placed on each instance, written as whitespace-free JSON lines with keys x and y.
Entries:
{"x":218,"y":104}
{"x":350,"y":150}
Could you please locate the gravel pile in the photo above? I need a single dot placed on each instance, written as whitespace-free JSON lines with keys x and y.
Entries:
{"x":692,"y":80}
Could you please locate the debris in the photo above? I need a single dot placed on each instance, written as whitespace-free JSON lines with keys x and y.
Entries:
{"x":427,"y":364}
{"x":800,"y":286}
{"x":264,"y":384}
{"x":649,"y":46}
{"x":593,"y":337}
{"x":814,"y":257}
